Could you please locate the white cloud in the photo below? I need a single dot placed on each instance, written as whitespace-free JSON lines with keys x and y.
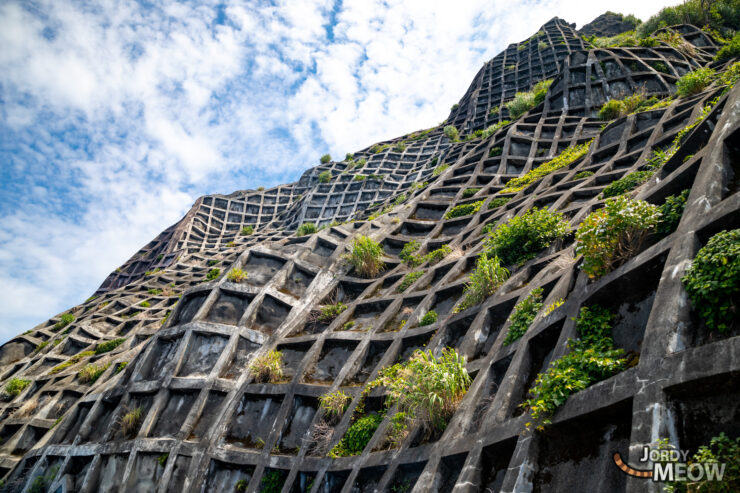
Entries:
{"x":115,"y":116}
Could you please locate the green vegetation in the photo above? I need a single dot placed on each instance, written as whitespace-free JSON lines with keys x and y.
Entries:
{"x":272,"y":481}
{"x":325,"y":158}
{"x":523,"y":315}
{"x":237,"y":275}
{"x":721,"y":450}
{"x":154,"y":291}
{"x":64,"y":320}
{"x":357,"y":437}
{"x":626,"y":184}
{"x":130,"y":421}
{"x":366,"y":256}
{"x":408,"y":280}
{"x":230,"y":244}
{"x":306,"y":229}
{"x":614,"y":233}
{"x":399,"y":146}
{"x":71,"y":361}
{"x":719,"y":15}
{"x":407,"y":253}
{"x":583,"y":174}
{"x":41,"y":483}
{"x":437,"y":255}
{"x":487,"y":277}
{"x":523,"y":237}
{"x":730,"y":50}
{"x":565,"y":158}
{"x":525,"y":101}
{"x":592,"y":358}
{"x":617,"y":108}
{"x":91,"y":372}
{"x":429,"y":318}
{"x":334,"y":403}
{"x":325,"y":176}
{"x":408,"y":256}
{"x":348,"y":325}
{"x":713,"y":280}
{"x":105,"y":347}
{"x":469,"y":192}
{"x":15,"y":386}
{"x":671,"y":212}
{"x":213,"y":274}
{"x":162,"y":459}
{"x":495,"y":151}
{"x":440,"y":169}
{"x":451,"y":133}
{"x":498,"y":202}
{"x":211,"y":262}
{"x":121,"y":366}
{"x":464,"y":210}
{"x":330,"y":312}
{"x":247,"y":230}
{"x":268,"y":367}
{"x":694,"y":82}
{"x":145,"y":304}
{"x":241,"y":486}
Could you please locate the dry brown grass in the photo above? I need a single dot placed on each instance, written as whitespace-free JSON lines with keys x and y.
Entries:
{"x":27,"y":409}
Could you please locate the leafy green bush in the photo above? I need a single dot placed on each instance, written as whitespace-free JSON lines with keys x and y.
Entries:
{"x":451,"y":133}
{"x":325,"y":158}
{"x":583,"y":174}
{"x":713,"y":280}
{"x":408,"y":280}
{"x":523,"y":237}
{"x":325,"y":176}
{"x":399,"y":146}
{"x":64,"y":320}
{"x":616,"y":108}
{"x":615,"y":233}
{"x":213,"y":274}
{"x":41,"y":483}
{"x":334,"y":403}
{"x":91,"y":372}
{"x":523,"y":315}
{"x":694,"y":82}
{"x":671,"y":212}
{"x":365,"y":256}
{"x":720,"y":15}
{"x":626,"y":184}
{"x":130,"y":421}
{"x":236,"y":275}
{"x":357,"y":437}
{"x":108,"y":346}
{"x":144,"y":304}
{"x":469,"y":192}
{"x":464,"y":210}
{"x":427,"y":388}
{"x":495,"y":151}
{"x":15,"y":386}
{"x":730,"y":50}
{"x":592,"y":358}
{"x":268,"y":367}
{"x":330,"y":312}
{"x":440,"y":169}
{"x":721,"y":450}
{"x":247,"y":230}
{"x":306,"y":229}
{"x":407,"y":253}
{"x":525,"y":101}
{"x":429,"y":318}
{"x":272,"y":481}
{"x":487,"y":277}
{"x":565,"y":158}
{"x":437,"y":255}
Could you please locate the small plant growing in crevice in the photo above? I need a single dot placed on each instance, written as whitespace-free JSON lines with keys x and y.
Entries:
{"x":41,"y":483}
{"x":237,"y":275}
{"x":328,"y":313}
{"x":671,"y":212}
{"x":613,"y":234}
{"x":121,"y":366}
{"x":523,"y":315}
{"x":241,"y":486}
{"x":408,"y":280}
{"x":583,"y":174}
{"x":464,"y":210}
{"x":325,"y":158}
{"x":272,"y":481}
{"x":498,"y":202}
{"x":348,"y":325}
{"x":440,"y":169}
{"x":105,"y":347}
{"x":487,"y":277}
{"x":694,"y":82}
{"x":268,"y":367}
{"x":247,"y":230}
{"x":525,"y":101}
{"x":325,"y":176}
{"x":495,"y":151}
{"x":626,"y":184}
{"x":451,"y":133}
{"x":130,"y":421}
{"x":469,"y":192}
{"x":213,"y":274}
{"x":713,"y":280}
{"x":162,"y":460}
{"x":15,"y":386}
{"x":64,"y":320}
{"x":306,"y":229}
{"x":334,"y":404}
{"x":357,"y":436}
{"x":429,"y":318}
{"x":565,"y":158}
{"x":91,"y":372}
{"x":407,"y":253}
{"x":366,"y":256}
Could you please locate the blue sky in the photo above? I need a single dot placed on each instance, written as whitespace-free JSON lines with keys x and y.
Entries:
{"x":116,"y":115}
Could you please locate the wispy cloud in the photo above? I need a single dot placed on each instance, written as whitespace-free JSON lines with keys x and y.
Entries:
{"x":115,"y":116}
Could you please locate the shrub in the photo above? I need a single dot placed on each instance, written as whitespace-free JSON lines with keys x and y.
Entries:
{"x":272,"y":481}
{"x":440,"y":169}
{"x":306,"y":229}
{"x":525,"y":101}
{"x":230,"y":244}
{"x":121,"y":366}
{"x":464,"y":210}
{"x":399,"y":146}
{"x":365,"y":256}
{"x":616,"y":108}
{"x":130,"y":421}
{"x":437,"y":255}
{"x":357,"y":437}
{"x":721,"y":15}
{"x":723,"y":451}
{"x":407,"y":253}
{"x":730,"y":76}
{"x":498,"y":202}
{"x":451,"y":133}
{"x":348,"y":325}
{"x":325,"y":176}
{"x":613,"y":234}
{"x":334,"y":403}
{"x":592,"y":358}
{"x":241,"y":485}
{"x":583,"y":174}
{"x":427,"y":388}
{"x":626,"y":184}
{"x":523,"y":237}
{"x":408,"y":280}
{"x":247,"y":230}
{"x":694,"y":82}
{"x":213,"y":274}
{"x":730,"y":50}
{"x":64,"y":320}
{"x":91,"y":372}
{"x":330,"y":312}
{"x":671,"y":212}
{"x":523,"y":315}
{"x":236,"y":275}
{"x":713,"y":280}
{"x":325,"y":158}
{"x":495,"y":151}
{"x":268,"y":367}
{"x":212,"y":262}
{"x":487,"y":277}
{"x":71,"y":361}
{"x":108,"y":346}
{"x":15,"y":386}
{"x":565,"y":158}
{"x":429,"y":318}
{"x":469,"y":192}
